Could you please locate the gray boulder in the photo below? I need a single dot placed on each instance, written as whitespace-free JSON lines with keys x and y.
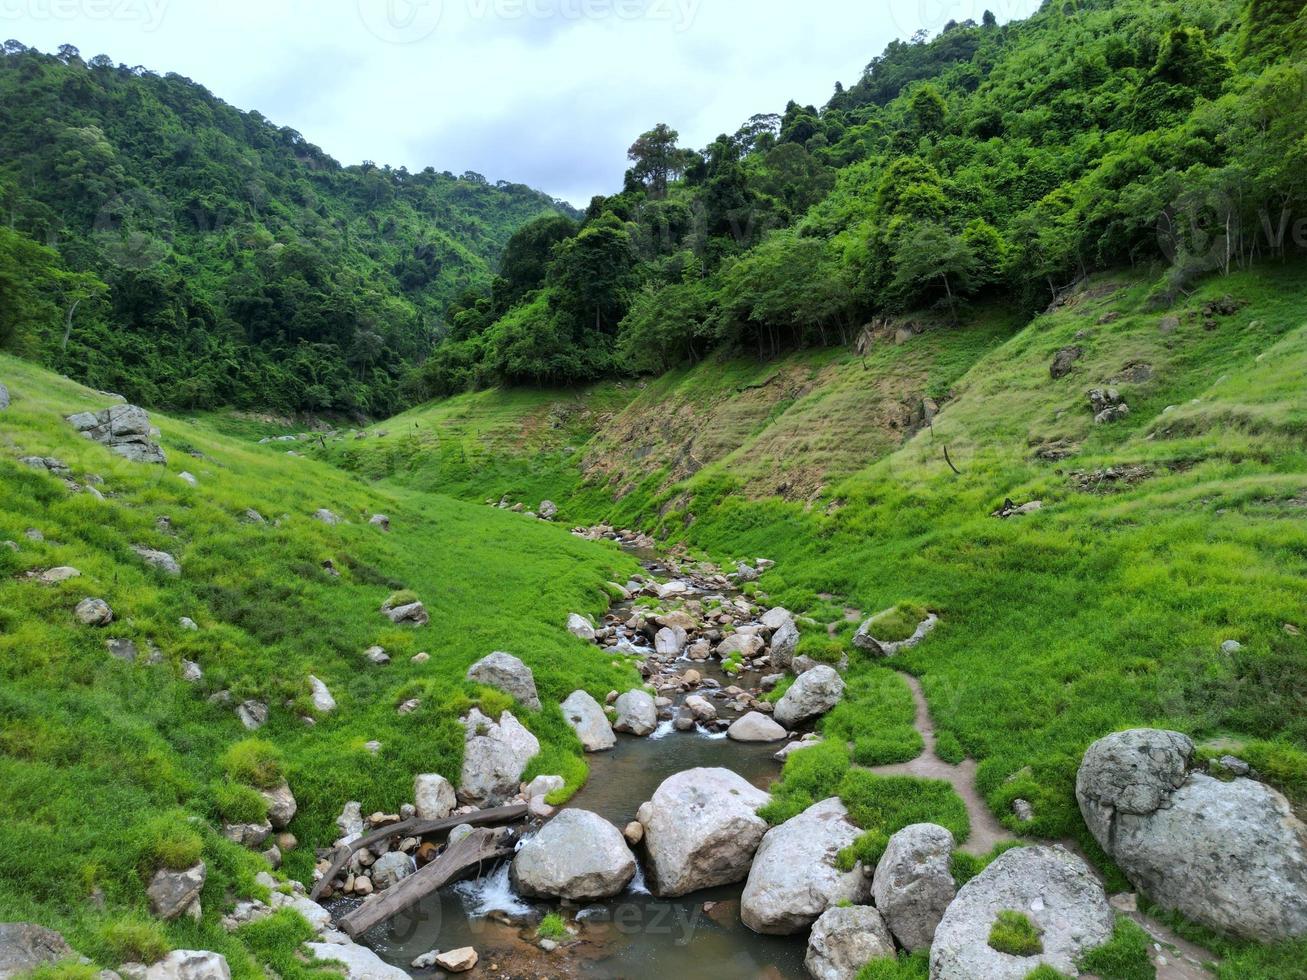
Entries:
{"x":794,"y":878}
{"x":812,"y":695}
{"x":190,"y":964}
{"x":506,"y":673}
{"x":580,"y":627}
{"x":747,"y":645}
{"x":124,"y":429}
{"x":390,"y":869}
{"x":411,"y":614}
{"x":587,"y":718}
{"x":844,"y":940}
{"x":253,"y":715}
{"x":360,"y":962}
{"x":548,"y":510}
{"x":93,"y":612}
{"x":495,"y":755}
{"x":24,"y":946}
{"x":578,"y":856}
{"x":701,"y":830}
{"x":670,"y":641}
{"x":1051,"y":887}
{"x":4,"y":397}
{"x":1230,"y":855}
{"x":914,"y":883}
{"x":161,"y":560}
{"x":174,"y":893}
{"x":281,"y":806}
{"x":784,"y":641}
{"x":755,"y":727}
{"x":636,"y":713}
{"x":433,"y":796}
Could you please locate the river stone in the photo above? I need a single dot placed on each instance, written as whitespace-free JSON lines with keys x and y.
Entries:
{"x":1230,"y":855}
{"x":755,"y":727}
{"x":172,"y":893}
{"x":914,"y":883}
{"x":844,"y":940}
{"x":580,"y":627}
{"x":281,"y":806}
{"x":775,"y":617}
{"x":587,"y":718}
{"x":93,"y":612}
{"x":24,"y":946}
{"x":190,"y":964}
{"x":1052,"y":887}
{"x":794,"y":878}
{"x":433,"y":796}
{"x":360,"y":962}
{"x":507,"y":673}
{"x":747,"y":645}
{"x":701,"y":708}
{"x":670,"y":641}
{"x":390,"y":869}
{"x":784,"y":641}
{"x":323,"y":702}
{"x":636,"y":713}
{"x":494,"y":757}
{"x":812,"y":695}
{"x":701,"y":830}
{"x":457,"y":960}
{"x":578,"y":856}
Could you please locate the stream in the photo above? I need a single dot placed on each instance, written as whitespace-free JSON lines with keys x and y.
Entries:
{"x":634,"y":935}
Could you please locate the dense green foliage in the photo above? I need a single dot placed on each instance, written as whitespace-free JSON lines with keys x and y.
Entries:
{"x":989,"y":161}
{"x":165,"y":245}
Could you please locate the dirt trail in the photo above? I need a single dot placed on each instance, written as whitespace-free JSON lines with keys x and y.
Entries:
{"x":1174,"y":958}
{"x":986,"y":831}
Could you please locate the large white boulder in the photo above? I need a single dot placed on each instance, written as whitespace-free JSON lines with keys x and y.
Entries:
{"x":811,"y":696}
{"x":914,"y":883}
{"x":1052,"y":887}
{"x":507,"y":673}
{"x":190,"y":964}
{"x":755,"y":727}
{"x":701,"y":830}
{"x":433,"y":796}
{"x":794,"y":878}
{"x":586,"y":717}
{"x":636,"y":713}
{"x":1232,"y":856}
{"x":578,"y":856}
{"x":360,"y":962}
{"x":495,"y":754}
{"x":844,"y":940}
{"x":580,"y":627}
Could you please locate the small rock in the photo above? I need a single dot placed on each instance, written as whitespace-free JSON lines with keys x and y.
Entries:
{"x":124,"y":650}
{"x":252,"y":714}
{"x":380,"y":521}
{"x":323,"y":702}
{"x":390,"y":869}
{"x":457,"y":960}
{"x":548,"y":510}
{"x":53,"y":576}
{"x":1023,"y":811}
{"x":281,"y":806}
{"x":377,"y":655}
{"x":188,"y":478}
{"x":580,"y":627}
{"x":191,"y":672}
{"x":161,"y":560}
{"x":506,"y":673}
{"x":421,"y":658}
{"x":755,"y":727}
{"x":846,"y":939}
{"x":173,"y":893}
{"x":1064,"y":361}
{"x":633,"y":832}
{"x":1231,"y":647}
{"x":636,"y":713}
{"x":187,"y":623}
{"x":326,"y":517}
{"x":93,"y":612}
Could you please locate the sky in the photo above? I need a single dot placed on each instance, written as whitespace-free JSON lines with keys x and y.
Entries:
{"x":549,"y":93}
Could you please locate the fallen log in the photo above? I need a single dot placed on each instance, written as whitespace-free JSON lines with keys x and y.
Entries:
{"x":415,"y":828}
{"x":472,"y":851}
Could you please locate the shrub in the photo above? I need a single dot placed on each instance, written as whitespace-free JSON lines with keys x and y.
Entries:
{"x":821,"y":648}
{"x":868,"y":849}
{"x":1013,"y":933}
{"x":552,"y":926}
{"x":404,"y":597}
{"x":170,"y":841}
{"x":254,"y":762}
{"x":135,"y":941}
{"x":1123,"y":957}
{"x":897,"y":624}
{"x":239,"y":804}
{"x":493,"y":703}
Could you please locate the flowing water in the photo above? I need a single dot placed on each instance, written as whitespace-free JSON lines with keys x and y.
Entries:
{"x":634,"y":935}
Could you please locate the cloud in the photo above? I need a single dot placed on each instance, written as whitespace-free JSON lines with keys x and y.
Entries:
{"x":544,"y":92}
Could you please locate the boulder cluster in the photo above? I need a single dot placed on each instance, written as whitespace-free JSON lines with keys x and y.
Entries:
{"x":125,"y":429}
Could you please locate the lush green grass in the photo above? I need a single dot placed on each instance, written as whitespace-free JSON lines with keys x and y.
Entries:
{"x":876,"y":719}
{"x":1124,"y":957}
{"x":552,"y":926}
{"x":105,"y":765}
{"x":915,"y":966}
{"x":1104,"y":610}
{"x":1013,"y":933}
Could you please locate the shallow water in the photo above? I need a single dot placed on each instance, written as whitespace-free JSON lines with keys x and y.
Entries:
{"x":634,"y":935}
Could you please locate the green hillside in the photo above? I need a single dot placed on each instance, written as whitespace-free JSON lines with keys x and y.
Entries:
{"x":105,"y":764}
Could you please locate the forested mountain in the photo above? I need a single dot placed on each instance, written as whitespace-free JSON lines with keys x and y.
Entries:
{"x":1000,"y":161}
{"x":161,"y":243}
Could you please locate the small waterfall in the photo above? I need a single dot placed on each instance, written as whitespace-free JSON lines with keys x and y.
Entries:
{"x":637,"y":885}
{"x":492,"y":893}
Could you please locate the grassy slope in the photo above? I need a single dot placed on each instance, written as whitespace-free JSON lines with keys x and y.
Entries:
{"x":91,"y":747}
{"x":1106,"y":609}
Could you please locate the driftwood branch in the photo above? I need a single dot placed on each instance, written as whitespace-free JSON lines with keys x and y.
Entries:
{"x":950,"y":462}
{"x":415,"y":828}
{"x":457,"y":860}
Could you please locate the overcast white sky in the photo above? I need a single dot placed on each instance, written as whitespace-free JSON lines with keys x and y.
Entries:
{"x":546,"y":92}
